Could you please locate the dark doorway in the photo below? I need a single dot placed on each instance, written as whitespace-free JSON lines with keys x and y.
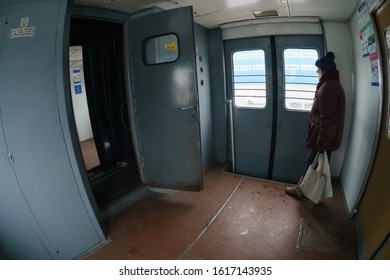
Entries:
{"x":113,"y":172}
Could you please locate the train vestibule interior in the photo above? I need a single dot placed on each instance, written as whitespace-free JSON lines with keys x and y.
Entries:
{"x":152,"y":118}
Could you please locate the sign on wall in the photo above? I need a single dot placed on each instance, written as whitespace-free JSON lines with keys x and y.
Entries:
{"x":368,"y":42}
{"x":76,"y":77}
{"x":24,"y":30}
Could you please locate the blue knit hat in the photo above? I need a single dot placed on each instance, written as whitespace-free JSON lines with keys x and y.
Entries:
{"x":326,"y":62}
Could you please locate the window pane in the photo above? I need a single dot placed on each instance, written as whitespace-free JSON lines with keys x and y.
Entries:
{"x":300,"y":78}
{"x":249,"y":83}
{"x":161,"y":49}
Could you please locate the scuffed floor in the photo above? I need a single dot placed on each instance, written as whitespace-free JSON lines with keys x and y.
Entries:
{"x":234,"y":217}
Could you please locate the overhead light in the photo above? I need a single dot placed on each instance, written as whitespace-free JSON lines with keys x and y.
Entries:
{"x":265,"y":13}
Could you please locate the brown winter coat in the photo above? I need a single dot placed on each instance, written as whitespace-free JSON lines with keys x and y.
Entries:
{"x":326,"y":123}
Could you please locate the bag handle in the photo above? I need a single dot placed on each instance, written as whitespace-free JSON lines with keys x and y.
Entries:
{"x":315,"y":164}
{"x":322,"y":163}
{"x":319,"y":162}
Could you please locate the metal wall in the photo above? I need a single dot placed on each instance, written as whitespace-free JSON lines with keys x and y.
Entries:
{"x":43,"y":196}
{"x":204,"y":86}
{"x":364,"y":123}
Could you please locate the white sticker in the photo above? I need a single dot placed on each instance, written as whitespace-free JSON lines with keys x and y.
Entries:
{"x":24,"y":21}
{"x":24,"y":30}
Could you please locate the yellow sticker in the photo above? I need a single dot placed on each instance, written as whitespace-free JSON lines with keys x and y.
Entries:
{"x":172,"y":46}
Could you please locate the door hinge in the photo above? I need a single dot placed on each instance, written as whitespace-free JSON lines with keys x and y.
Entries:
{"x":142,"y":161}
{"x":134,"y":104}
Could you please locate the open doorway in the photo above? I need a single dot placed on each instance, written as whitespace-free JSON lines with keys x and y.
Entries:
{"x":80,"y":108}
{"x":100,"y":109}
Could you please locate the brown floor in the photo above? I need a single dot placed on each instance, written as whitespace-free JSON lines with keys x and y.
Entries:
{"x":89,"y":152}
{"x":234,"y":217}
{"x":108,"y":183}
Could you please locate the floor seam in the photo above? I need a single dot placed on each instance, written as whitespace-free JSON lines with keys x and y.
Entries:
{"x":206,"y":227}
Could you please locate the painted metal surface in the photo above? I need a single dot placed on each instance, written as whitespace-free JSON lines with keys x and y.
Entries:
{"x":252,"y":127}
{"x":290,"y":152}
{"x":30,"y":75}
{"x":20,"y":234}
{"x":204,"y":89}
{"x":364,"y":123}
{"x":166,"y":98}
{"x":373,"y":218}
{"x":270,"y":141}
{"x":218,"y":98}
{"x":212,"y":14}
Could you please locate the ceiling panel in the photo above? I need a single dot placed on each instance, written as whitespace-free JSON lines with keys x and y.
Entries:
{"x":212,"y":13}
{"x":339,"y":10}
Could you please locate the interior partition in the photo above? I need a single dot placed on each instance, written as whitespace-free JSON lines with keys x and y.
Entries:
{"x":41,"y":183}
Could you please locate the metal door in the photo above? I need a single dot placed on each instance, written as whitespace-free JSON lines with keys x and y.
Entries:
{"x":166,"y":99}
{"x":271,"y":81}
{"x":297,"y":79}
{"x":252,"y":103}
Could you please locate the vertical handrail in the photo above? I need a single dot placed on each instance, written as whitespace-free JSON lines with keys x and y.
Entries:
{"x":232,"y":135}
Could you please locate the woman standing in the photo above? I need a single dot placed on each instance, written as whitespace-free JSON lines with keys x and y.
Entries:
{"x":325,"y":129}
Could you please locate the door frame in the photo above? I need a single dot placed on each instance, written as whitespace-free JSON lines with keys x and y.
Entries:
{"x":122,"y":18}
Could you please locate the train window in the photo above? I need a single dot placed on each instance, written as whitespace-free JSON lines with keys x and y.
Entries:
{"x":300,"y":78}
{"x":161,"y":49}
{"x":249,"y":80}
{"x":387,"y":40}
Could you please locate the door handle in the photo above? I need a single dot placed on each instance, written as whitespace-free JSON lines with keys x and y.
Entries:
{"x":194,"y":114}
{"x":192,"y":107}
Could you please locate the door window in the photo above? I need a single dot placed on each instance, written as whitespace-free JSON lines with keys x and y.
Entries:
{"x":249,"y":79}
{"x":300,"y":78}
{"x":161,"y":49}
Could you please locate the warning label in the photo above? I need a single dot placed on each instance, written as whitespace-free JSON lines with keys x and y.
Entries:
{"x":23,"y":32}
{"x":172,"y":46}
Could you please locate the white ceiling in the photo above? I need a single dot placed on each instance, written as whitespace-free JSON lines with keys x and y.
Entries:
{"x":212,"y":13}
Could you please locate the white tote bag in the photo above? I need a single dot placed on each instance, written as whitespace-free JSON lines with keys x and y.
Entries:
{"x":316,"y":185}
{"x":328,"y":186}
